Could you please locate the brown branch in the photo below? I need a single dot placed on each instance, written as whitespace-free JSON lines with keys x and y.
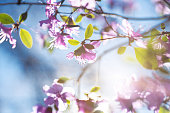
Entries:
{"x":95,"y":11}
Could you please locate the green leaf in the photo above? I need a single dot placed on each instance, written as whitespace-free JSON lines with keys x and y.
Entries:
{"x":6,"y":19}
{"x":86,"y":10}
{"x":90,"y":15}
{"x":89,"y":31}
{"x":22,"y":17}
{"x":163,"y":26}
{"x":154,"y":32}
{"x":26,"y":38}
{"x":79,"y":18}
{"x":95,"y":28}
{"x":98,"y":111}
{"x":146,"y":58}
{"x":164,"y":38}
{"x":68,"y":102}
{"x":68,"y":20}
{"x":163,"y":110}
{"x":95,"y":89}
{"x":89,"y":46}
{"x":74,"y":42}
{"x":121,"y":50}
{"x":63,"y":79}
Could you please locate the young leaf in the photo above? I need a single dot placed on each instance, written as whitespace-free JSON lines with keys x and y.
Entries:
{"x":68,"y":20}
{"x":79,"y":18}
{"x":74,"y":42}
{"x":146,"y":58}
{"x":63,"y":79}
{"x":22,"y":17}
{"x":6,"y":19}
{"x":163,"y":110}
{"x":26,"y":38}
{"x":163,"y":26}
{"x":154,"y":32}
{"x":95,"y":89}
{"x":121,"y":50}
{"x":89,"y":46}
{"x":98,"y":111}
{"x":164,"y":38}
{"x":89,"y":31}
{"x":86,"y":10}
{"x":90,"y":15}
{"x":95,"y":28}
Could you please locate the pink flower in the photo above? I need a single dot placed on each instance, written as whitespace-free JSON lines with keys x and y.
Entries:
{"x":126,"y":103}
{"x":59,"y":32}
{"x":51,"y":9}
{"x":85,"y":52}
{"x":110,"y":31}
{"x":128,"y":30}
{"x":86,"y":106}
{"x":5,"y":34}
{"x":59,"y":41}
{"x":56,"y":95}
{"x":89,"y":4}
{"x":41,"y":109}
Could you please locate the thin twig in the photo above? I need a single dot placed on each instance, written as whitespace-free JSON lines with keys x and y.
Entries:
{"x":95,"y":11}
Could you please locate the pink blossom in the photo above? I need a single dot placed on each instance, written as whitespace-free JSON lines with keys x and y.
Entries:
{"x":126,"y":103}
{"x":5,"y":34}
{"x":59,"y":32}
{"x":56,"y":93}
{"x":89,"y":4}
{"x":132,"y":35}
{"x":41,"y":109}
{"x":85,"y":53}
{"x":86,"y":106}
{"x":110,"y":31}
{"x":51,"y":9}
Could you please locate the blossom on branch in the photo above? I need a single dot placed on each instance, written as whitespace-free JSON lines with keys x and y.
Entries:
{"x":59,"y":32}
{"x":132,"y":35}
{"x":51,"y":10}
{"x":5,"y":34}
{"x":85,"y":53}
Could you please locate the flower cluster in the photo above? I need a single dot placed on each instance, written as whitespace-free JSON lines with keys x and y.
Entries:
{"x":58,"y":96}
{"x":58,"y":30}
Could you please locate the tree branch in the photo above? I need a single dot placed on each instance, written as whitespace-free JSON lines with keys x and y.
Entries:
{"x":95,"y":11}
